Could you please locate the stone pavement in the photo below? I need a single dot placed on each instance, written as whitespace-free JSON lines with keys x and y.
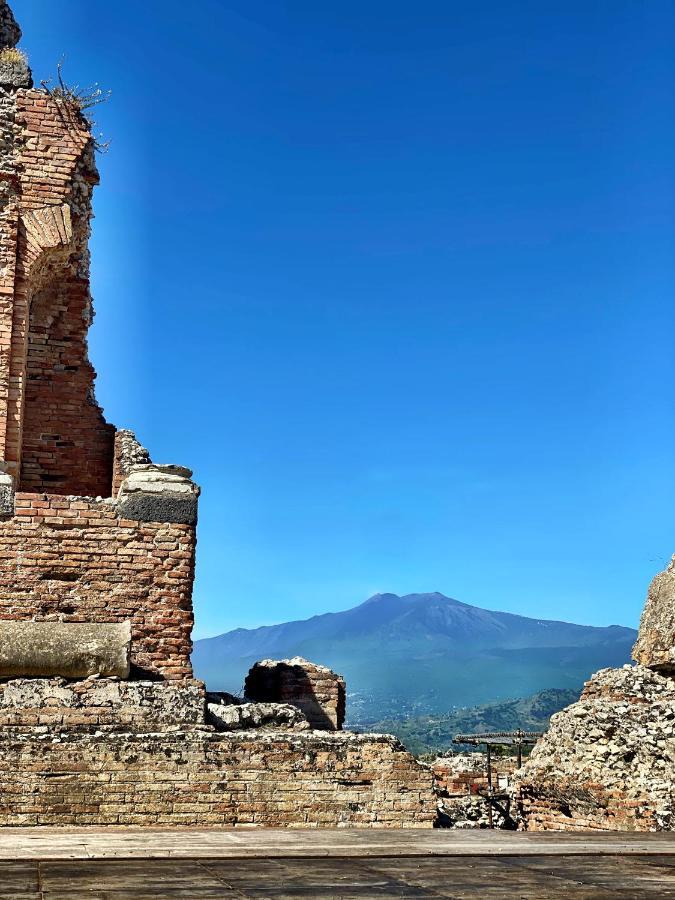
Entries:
{"x":140,"y":864}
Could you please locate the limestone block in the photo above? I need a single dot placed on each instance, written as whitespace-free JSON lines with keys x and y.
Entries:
{"x":243,"y":716}
{"x":318,"y":692}
{"x":655,"y":646}
{"x":154,"y":493}
{"x":45,"y":649}
{"x":7,"y":493}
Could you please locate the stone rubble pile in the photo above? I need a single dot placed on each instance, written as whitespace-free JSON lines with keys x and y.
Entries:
{"x":244,"y":716}
{"x":460,"y":780}
{"x":608,"y":761}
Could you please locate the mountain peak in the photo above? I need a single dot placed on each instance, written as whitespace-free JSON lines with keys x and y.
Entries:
{"x":380,"y":598}
{"x":429,"y":597}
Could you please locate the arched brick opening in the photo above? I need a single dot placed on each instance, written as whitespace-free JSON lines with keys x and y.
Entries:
{"x":66,"y":444}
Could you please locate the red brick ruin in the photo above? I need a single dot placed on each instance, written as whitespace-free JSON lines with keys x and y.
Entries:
{"x":101,"y":721}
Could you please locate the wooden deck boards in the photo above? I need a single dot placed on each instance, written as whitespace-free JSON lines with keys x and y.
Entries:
{"x":140,"y":864}
{"x":134,"y":843}
{"x":459,"y":877}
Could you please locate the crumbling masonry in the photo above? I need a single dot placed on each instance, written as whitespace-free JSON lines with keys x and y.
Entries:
{"x":101,"y":721}
{"x":608,"y":761}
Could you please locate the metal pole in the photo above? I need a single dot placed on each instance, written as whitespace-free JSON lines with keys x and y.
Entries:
{"x":489,"y":777}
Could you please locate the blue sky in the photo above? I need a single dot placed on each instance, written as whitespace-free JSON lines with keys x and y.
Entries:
{"x":396,"y":279}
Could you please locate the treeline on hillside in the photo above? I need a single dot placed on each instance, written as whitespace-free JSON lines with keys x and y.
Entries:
{"x":434,"y":733}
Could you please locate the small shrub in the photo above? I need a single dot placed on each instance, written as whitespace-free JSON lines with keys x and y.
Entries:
{"x":82,"y":99}
{"x":12,"y":56}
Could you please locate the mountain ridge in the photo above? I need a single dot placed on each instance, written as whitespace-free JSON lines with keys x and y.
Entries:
{"x":423,"y":653}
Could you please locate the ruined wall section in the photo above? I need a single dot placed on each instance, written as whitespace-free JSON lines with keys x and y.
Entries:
{"x":56,"y":430}
{"x":607,"y":762}
{"x":36,"y":706}
{"x":69,"y":560}
{"x":9,"y":235}
{"x":208,"y":779}
{"x":64,"y":557}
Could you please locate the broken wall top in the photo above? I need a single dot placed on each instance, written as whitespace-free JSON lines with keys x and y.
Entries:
{"x":655,"y":645}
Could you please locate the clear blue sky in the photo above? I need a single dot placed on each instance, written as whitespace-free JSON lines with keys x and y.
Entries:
{"x":396,"y":279}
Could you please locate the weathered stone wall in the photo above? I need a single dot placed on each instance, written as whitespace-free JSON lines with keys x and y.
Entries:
{"x":607,"y":762}
{"x":243,"y":716}
{"x":195,"y":779}
{"x":128,"y":455}
{"x":75,"y":560}
{"x":42,"y":706}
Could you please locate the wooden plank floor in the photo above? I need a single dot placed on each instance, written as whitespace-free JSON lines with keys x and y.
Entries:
{"x":270,"y":843}
{"x":534,"y":877}
{"x":135,"y":864}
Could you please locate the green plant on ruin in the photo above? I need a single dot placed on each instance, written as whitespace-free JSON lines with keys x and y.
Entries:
{"x":12,"y":56}
{"x":80,"y":99}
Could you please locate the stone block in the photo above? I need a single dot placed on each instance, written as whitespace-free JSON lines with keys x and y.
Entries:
{"x":243,"y":716}
{"x":44,"y":649}
{"x":7,"y":494}
{"x":159,"y":494}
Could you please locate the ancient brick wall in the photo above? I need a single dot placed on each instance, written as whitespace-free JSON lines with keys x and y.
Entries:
{"x":576,"y":805}
{"x":194,"y":779}
{"x":63,"y":558}
{"x":63,"y":443}
{"x":316,"y":690}
{"x":77,"y":561}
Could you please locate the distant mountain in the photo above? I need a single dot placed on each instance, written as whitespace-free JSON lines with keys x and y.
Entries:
{"x":422,"y":653}
{"x":434,"y":733}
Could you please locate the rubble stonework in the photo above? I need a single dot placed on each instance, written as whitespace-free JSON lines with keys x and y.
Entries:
{"x":655,"y":645}
{"x":97,"y":554}
{"x":242,"y":716}
{"x":315,"y":690}
{"x":608,"y":761}
{"x":100,"y":704}
{"x":461,"y":783}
